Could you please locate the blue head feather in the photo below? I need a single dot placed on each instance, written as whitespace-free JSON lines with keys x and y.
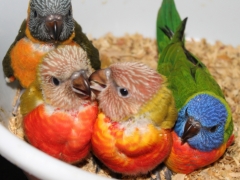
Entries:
{"x":211,"y":113}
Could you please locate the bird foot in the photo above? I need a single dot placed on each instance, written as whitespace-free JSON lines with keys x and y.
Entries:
{"x":15,"y":107}
{"x":157,"y":176}
{"x":97,"y":164}
{"x":10,"y":79}
{"x":167,"y":173}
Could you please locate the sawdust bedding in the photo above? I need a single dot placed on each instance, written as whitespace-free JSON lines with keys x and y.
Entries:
{"x":223,"y":62}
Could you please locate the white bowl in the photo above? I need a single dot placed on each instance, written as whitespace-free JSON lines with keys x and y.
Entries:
{"x":210,"y":19}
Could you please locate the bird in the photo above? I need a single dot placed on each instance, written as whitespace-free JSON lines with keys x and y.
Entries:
{"x":204,"y":126}
{"x":57,"y":108}
{"x":48,"y":25}
{"x":132,"y":133}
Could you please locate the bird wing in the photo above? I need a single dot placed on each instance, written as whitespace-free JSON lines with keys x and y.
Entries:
{"x":92,"y":52}
{"x":8,"y":71}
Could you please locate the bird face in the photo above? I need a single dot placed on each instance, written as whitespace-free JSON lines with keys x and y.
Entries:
{"x":64,"y":76}
{"x":124,"y":87}
{"x":201,"y":122}
{"x":51,"y":21}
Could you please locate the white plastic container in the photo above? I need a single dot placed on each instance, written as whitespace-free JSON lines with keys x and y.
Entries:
{"x":210,"y":19}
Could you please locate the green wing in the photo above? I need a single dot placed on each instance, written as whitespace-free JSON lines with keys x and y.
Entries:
{"x":81,"y":39}
{"x":6,"y":63}
{"x":167,"y":16}
{"x":188,"y":76}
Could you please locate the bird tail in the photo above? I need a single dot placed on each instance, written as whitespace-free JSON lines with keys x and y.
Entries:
{"x":179,"y":34}
{"x":168,"y":18}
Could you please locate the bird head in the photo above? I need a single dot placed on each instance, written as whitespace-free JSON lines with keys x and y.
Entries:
{"x":201,"y":122}
{"x":50,"y":21}
{"x":63,"y":75}
{"x":123,"y":88}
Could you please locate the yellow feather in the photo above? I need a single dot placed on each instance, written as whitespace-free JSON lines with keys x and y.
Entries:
{"x":161,"y":108}
{"x":31,"y":98}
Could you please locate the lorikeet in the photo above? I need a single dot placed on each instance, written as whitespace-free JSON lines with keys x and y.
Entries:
{"x":204,"y":126}
{"x":132,"y":132}
{"x":58,"y":114}
{"x":48,"y":24}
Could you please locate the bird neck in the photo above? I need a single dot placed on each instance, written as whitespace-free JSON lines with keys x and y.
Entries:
{"x":34,"y":40}
{"x":161,"y":108}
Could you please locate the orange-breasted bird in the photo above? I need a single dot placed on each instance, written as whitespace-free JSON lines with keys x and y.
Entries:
{"x":48,"y":24}
{"x":58,"y":113}
{"x":132,"y":133}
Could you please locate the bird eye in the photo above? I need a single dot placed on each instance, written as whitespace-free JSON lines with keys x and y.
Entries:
{"x":123,"y":92}
{"x":213,"y":129}
{"x":35,"y":14}
{"x":55,"y":81}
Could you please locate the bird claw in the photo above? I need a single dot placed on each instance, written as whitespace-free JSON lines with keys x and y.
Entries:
{"x":10,"y":79}
{"x":15,"y":107}
{"x":157,"y":176}
{"x":167,"y":173}
{"x":96,"y":163}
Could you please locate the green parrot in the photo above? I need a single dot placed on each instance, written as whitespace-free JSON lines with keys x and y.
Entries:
{"x":204,"y":126}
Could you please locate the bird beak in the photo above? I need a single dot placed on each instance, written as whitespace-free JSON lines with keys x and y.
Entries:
{"x":98,"y":80}
{"x":80,"y":84}
{"x":54,"y":26}
{"x":191,"y":129}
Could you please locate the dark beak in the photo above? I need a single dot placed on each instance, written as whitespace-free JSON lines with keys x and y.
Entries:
{"x":99,"y":79}
{"x":191,"y":129}
{"x":80,"y":84}
{"x":54,"y":26}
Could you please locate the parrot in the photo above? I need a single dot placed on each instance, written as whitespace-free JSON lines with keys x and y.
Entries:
{"x":204,"y":126}
{"x":57,"y":108}
{"x":48,"y":24}
{"x":167,"y":15}
{"x":132,"y":133}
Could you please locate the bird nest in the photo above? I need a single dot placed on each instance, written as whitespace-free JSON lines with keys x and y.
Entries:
{"x":223,"y":61}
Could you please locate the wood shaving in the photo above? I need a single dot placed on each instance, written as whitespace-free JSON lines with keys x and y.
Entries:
{"x":223,"y":62}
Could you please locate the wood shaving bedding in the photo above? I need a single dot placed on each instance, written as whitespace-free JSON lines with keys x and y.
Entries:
{"x":223,"y":62}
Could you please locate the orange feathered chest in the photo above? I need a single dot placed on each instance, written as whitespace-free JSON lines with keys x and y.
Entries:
{"x":184,"y":159}
{"x":25,"y":57}
{"x":63,"y":135}
{"x":130,"y":149}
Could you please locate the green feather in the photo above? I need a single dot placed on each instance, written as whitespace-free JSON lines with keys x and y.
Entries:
{"x":188,"y":76}
{"x":6,"y":63}
{"x":167,"y":16}
{"x":93,"y":54}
